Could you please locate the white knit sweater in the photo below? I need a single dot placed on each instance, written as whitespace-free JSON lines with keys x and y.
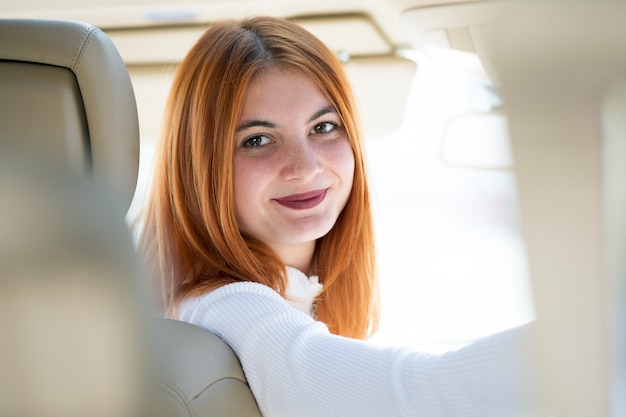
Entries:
{"x":296,"y":368}
{"x":302,"y":290}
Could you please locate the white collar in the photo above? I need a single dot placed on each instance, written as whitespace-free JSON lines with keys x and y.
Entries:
{"x":302,"y":290}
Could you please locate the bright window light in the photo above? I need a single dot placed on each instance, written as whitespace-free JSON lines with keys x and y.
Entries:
{"x":451,"y":259}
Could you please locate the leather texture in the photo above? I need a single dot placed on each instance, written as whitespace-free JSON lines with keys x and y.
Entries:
{"x":104,"y":86}
{"x":199,"y":374}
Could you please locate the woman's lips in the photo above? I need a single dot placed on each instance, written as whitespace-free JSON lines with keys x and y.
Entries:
{"x":302,"y":201}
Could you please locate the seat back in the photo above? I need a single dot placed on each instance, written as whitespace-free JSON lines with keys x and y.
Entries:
{"x":66,"y":99}
{"x":199,"y":374}
{"x":70,"y":318}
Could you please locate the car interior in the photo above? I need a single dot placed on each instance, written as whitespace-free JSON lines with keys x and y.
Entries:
{"x":566,"y":120}
{"x":68,"y":96}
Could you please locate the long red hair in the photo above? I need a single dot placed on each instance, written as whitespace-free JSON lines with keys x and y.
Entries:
{"x":190,"y":238}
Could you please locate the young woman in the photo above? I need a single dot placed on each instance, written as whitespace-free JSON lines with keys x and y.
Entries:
{"x":195,"y":224}
{"x":259,"y":227}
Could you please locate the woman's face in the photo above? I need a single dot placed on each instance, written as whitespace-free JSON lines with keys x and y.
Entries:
{"x":293,"y":163}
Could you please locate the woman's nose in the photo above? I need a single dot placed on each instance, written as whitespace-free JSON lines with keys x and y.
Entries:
{"x":301,"y":161}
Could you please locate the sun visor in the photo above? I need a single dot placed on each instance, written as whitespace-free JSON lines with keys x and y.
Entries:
{"x":457,"y":36}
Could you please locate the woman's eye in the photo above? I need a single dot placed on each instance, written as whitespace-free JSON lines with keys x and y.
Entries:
{"x":256,"y":141}
{"x":324,"y":127}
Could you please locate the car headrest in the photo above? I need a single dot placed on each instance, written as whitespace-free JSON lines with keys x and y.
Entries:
{"x":64,"y":89}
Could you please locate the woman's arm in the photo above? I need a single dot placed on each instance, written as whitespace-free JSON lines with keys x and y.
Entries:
{"x":295,"y":367}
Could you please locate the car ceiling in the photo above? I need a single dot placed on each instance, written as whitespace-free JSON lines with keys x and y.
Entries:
{"x":369,"y":35}
{"x":382,"y":15}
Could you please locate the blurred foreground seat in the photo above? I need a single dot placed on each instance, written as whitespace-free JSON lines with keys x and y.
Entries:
{"x":72,"y":339}
{"x":76,"y":336}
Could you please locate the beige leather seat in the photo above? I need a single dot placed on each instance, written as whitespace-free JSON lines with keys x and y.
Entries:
{"x":199,"y":374}
{"x":64,"y":92}
{"x":66,"y":97}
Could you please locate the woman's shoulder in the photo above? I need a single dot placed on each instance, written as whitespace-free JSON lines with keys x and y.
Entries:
{"x":237,"y":292}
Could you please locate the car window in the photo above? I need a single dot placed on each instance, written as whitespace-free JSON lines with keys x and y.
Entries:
{"x":451,"y":257}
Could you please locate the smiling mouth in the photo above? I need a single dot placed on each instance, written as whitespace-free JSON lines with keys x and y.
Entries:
{"x":302,"y":201}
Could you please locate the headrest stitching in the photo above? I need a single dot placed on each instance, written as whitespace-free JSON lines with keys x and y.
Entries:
{"x":78,"y":54}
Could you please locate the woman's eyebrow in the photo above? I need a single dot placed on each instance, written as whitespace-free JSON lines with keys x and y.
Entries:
{"x":264,"y":123}
{"x":255,"y":123}
{"x":328,"y":109}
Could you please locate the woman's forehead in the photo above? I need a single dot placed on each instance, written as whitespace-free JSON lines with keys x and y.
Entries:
{"x":282,"y":92}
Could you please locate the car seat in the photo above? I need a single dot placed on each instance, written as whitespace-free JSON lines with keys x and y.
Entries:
{"x":66,"y":100}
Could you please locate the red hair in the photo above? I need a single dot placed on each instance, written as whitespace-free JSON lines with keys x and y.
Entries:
{"x":190,"y":236}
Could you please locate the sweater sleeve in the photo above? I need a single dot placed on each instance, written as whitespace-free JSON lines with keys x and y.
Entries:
{"x":296,"y":368}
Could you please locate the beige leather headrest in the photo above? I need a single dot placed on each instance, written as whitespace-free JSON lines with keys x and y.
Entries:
{"x":102,"y":87}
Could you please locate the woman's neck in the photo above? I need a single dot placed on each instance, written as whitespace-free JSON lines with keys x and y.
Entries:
{"x":299,"y":256}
